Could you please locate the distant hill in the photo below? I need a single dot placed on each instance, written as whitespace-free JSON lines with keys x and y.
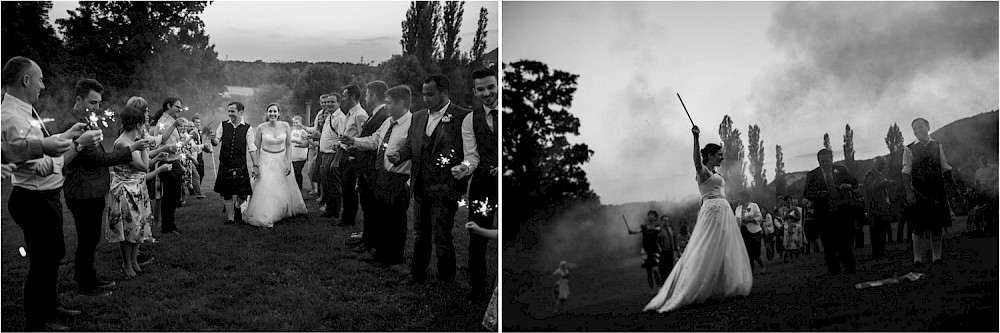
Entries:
{"x":963,"y":140}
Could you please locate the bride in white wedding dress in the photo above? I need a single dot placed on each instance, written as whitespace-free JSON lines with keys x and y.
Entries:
{"x":714,"y":263}
{"x":275,"y":193}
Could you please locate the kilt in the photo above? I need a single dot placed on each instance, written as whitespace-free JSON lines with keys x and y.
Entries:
{"x":233,"y":181}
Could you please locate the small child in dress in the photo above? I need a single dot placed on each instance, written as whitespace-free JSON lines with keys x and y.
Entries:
{"x":794,"y":235}
{"x":490,"y":318}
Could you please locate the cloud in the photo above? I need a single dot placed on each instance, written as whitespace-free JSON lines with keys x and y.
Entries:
{"x":847,"y":57}
{"x":372,"y":40}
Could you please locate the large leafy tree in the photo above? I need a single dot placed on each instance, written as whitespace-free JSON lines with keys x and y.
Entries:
{"x":420,"y":30}
{"x":26,"y":32}
{"x":541,"y":167}
{"x":894,"y":139}
{"x":826,"y":142}
{"x":779,"y":170}
{"x":734,"y":163}
{"x":448,"y":35}
{"x":479,"y":43}
{"x":756,"y":155}
{"x":146,"y":48}
{"x":317,"y":79}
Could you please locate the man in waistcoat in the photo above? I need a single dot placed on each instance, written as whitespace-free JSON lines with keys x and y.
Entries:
{"x":434,"y":146}
{"x":367,"y":162}
{"x":233,"y":180}
{"x":925,"y":173}
{"x":391,"y":192}
{"x":480,"y":131}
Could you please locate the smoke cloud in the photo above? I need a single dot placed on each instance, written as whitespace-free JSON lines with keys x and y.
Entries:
{"x":851,"y":58}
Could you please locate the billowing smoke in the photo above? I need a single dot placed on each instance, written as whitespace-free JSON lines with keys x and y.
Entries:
{"x":850,"y":59}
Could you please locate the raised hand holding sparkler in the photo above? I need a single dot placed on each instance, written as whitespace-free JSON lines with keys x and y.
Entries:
{"x":685,"y":109}
{"x":626,"y":224}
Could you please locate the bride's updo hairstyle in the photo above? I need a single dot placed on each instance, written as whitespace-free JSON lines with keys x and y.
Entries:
{"x":709,"y":150}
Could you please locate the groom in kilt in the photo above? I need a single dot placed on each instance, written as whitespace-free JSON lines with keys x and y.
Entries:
{"x":237,"y":139}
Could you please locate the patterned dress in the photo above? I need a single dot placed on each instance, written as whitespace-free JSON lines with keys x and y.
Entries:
{"x":128,"y":214}
{"x":490,"y":318}
{"x":189,"y":156}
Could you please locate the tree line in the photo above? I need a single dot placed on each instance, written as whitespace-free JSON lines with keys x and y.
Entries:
{"x":160,"y":49}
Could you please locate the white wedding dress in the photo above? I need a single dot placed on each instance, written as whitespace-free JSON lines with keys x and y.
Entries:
{"x":275,"y":194}
{"x":714,"y":263}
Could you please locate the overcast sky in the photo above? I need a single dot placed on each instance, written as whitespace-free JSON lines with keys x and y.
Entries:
{"x":340,"y":31}
{"x":798,"y":70}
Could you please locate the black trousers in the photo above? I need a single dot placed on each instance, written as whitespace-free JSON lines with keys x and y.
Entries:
{"x":385,"y":224}
{"x":435,"y":218}
{"x":39,"y":214}
{"x":297,"y":169}
{"x":172,"y":189}
{"x":351,"y":170}
{"x":666,"y":264}
{"x":88,"y":215}
{"x":332,"y":191}
{"x":482,"y":191}
{"x":877,"y":233}
{"x":838,"y":247}
{"x":369,"y":205}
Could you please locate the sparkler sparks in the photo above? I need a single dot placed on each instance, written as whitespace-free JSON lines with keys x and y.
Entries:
{"x":22,"y":251}
{"x":38,"y":123}
{"x":484,"y":208}
{"x":462,"y":203}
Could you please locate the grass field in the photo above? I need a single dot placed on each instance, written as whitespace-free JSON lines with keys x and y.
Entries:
{"x":297,"y":276}
{"x":958,"y":296}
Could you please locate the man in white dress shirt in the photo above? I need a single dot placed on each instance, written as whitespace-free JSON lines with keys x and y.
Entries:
{"x":351,"y":162}
{"x":392,"y":189}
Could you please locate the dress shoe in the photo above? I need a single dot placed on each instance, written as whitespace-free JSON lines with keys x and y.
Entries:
{"x":56,"y":327}
{"x":64,"y":312}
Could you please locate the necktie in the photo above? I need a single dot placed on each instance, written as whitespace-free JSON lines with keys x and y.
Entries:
{"x":493,"y":114}
{"x":385,"y":141}
{"x":45,"y":132}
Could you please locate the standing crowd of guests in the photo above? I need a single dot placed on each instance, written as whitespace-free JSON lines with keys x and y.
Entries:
{"x":380,"y":157}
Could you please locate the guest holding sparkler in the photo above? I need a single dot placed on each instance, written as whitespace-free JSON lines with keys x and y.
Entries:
{"x":714,"y":263}
{"x":434,"y":145}
{"x":127,"y":215}
{"x":153,"y":185}
{"x":650,"y":248}
{"x":490,"y":318}
{"x":199,"y":161}
{"x":299,"y":148}
{"x":479,"y":136}
{"x":668,"y":248}
{"x":35,"y":201}
{"x":391,"y":189}
{"x":172,"y":181}
{"x":87,"y":182}
{"x":375,"y":97}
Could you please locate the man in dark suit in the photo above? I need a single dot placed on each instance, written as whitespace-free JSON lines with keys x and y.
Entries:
{"x":878,"y":205}
{"x":434,"y":146}
{"x":375,"y":99}
{"x":480,"y":131}
{"x":827,"y":187}
{"x":87,"y":182}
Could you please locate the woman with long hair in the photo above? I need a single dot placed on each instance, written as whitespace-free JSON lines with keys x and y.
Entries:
{"x":715,"y":262}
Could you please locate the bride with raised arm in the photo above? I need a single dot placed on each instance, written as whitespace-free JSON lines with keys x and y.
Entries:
{"x":276,"y":194}
{"x":714,"y":264}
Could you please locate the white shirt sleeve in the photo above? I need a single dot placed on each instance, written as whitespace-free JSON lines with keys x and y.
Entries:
{"x":371,"y":142}
{"x":469,"y":143}
{"x":944,"y":161}
{"x":218,"y":132}
{"x":907,"y":160}
{"x":251,"y":146}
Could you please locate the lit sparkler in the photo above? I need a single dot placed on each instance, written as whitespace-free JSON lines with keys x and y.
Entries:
{"x":466,"y":163}
{"x":39,"y":123}
{"x":462,"y":203}
{"x":484,"y":208}
{"x":22,"y":251}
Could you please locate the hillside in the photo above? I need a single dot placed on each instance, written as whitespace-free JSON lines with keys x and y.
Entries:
{"x":963,"y":139}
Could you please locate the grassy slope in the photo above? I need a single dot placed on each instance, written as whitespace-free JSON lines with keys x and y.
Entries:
{"x":795,"y":296}
{"x":296,"y":276}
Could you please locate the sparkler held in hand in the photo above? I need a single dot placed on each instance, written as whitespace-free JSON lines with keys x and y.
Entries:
{"x":626,"y":224}
{"x":685,"y":109}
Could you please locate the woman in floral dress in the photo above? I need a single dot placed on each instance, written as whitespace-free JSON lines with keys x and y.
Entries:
{"x":128,"y":213}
